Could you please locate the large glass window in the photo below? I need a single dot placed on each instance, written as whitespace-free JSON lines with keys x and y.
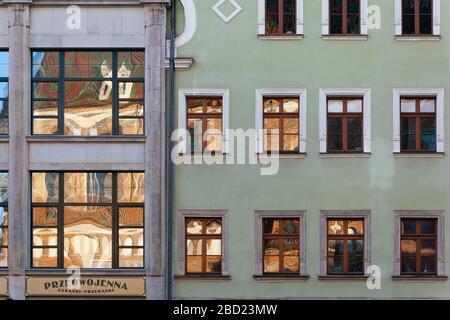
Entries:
{"x":4,"y":91}
{"x":280,"y":17}
{"x":88,"y":93}
{"x":3,"y":219}
{"x":88,"y":219}
{"x":417,"y":17}
{"x":345,"y":17}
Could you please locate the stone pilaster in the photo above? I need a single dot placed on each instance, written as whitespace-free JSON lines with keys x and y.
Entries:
{"x":19,"y":88}
{"x":155,"y":24}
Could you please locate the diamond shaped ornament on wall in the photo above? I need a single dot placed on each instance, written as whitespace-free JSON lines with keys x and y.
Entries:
{"x":228,"y":18}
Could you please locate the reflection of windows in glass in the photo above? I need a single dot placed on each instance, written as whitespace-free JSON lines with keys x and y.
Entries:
{"x":88,"y":93}
{"x":281,"y":247}
{"x":4,"y":92}
{"x":344,"y":124}
{"x":203,"y":245}
{"x":418,"y":124}
{"x":204,"y":123}
{"x":418,"y":246}
{"x":87,"y":219}
{"x":280,"y":17}
{"x":345,"y":246}
{"x":281,"y":124}
{"x":345,"y":17}
{"x":417,"y":17}
{"x":3,"y":219}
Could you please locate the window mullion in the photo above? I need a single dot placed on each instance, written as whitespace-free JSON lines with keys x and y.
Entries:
{"x":60,"y":222}
{"x":417,"y":17}
{"x":344,"y":17}
{"x":115,"y":224}
{"x":115,"y":95}
{"x":61,"y":93}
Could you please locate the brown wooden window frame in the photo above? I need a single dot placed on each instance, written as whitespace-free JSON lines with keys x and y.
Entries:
{"x":344,"y":115}
{"x":281,"y":14}
{"x":204,"y":116}
{"x":280,"y":238}
{"x":281,"y":116}
{"x":418,"y":115}
{"x":344,"y":15}
{"x":203,"y":237}
{"x":346,"y":237}
{"x":417,"y":15}
{"x":418,"y":237}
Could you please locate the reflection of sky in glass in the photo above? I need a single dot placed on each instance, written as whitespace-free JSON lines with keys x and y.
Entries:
{"x":4,"y":64}
{"x":2,"y":217}
{"x":3,"y":89}
{"x":37,"y":60}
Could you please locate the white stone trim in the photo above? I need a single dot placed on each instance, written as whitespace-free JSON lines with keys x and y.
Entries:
{"x":440,"y":246}
{"x":260,"y":94}
{"x":432,"y":92}
{"x":181,"y":237}
{"x":262,"y":17}
{"x":224,"y":93}
{"x":190,"y":23}
{"x":279,"y":214}
{"x":344,"y":214}
{"x":436,"y":17}
{"x":367,"y":114}
{"x":364,"y":7}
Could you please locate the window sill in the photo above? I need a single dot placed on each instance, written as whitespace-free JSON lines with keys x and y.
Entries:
{"x":281,"y":278}
{"x":345,"y":37}
{"x":419,"y":278}
{"x":417,"y":38}
{"x":86,"y":272}
{"x":181,"y":63}
{"x":344,"y":155}
{"x":282,"y":156}
{"x":343,"y":278}
{"x":193,"y":156}
{"x":204,"y":277}
{"x":101,"y":139}
{"x":419,"y":155}
{"x":281,"y":37}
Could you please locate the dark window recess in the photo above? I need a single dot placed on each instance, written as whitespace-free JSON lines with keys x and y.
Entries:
{"x":280,"y":17}
{"x":417,"y":17}
{"x":345,"y":17}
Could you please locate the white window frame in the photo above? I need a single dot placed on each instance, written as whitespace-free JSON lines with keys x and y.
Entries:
{"x":182,"y":114}
{"x":440,"y":245}
{"x":326,"y":17}
{"x":436,"y":18}
{"x":262,"y":17}
{"x":344,"y":214}
{"x":259,"y":116}
{"x":425,"y":92}
{"x":367,"y":115}
{"x":279,"y":214}
{"x":181,"y":238}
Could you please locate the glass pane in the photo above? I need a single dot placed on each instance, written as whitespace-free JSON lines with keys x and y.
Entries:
{"x":354,"y":142}
{"x":354,"y":105}
{"x":45,"y":186}
{"x":428,"y":247}
{"x":3,"y":216}
{"x":214,"y":264}
{"x":290,"y":125}
{"x":335,"y":106}
{"x":130,"y":236}
{"x":131,"y":126}
{"x":355,"y":227}
{"x":355,"y":263}
{"x":353,"y":24}
{"x":290,"y":143}
{"x":428,"y":134}
{"x":408,"y":24}
{"x":3,"y":257}
{"x":428,"y":226}
{"x":335,"y":247}
{"x":45,"y":126}
{"x":271,"y":247}
{"x":291,"y":247}
{"x":45,"y":108}
{"x":291,"y":264}
{"x":131,"y":258}
{"x":4,"y":126}
{"x":131,"y":64}
{"x":213,"y":135}
{"x":271,"y":105}
{"x":426,"y":24}
{"x":428,"y":125}
{"x":87,"y":236}
{"x":336,"y":264}
{"x":131,"y":90}
{"x":44,"y":216}
{"x":408,"y":105}
{"x":428,"y":142}
{"x":272,"y":125}
{"x":335,"y":227}
{"x":408,"y":247}
{"x":194,"y":247}
{"x":45,"y":64}
{"x":272,"y":23}
{"x":426,"y":6}
{"x":290,"y":105}
{"x":87,"y":108}
{"x":334,"y":125}
{"x":88,"y":64}
{"x":3,"y":237}
{"x":428,"y":264}
{"x":131,"y":186}
{"x":214,"y":105}
{"x":408,"y":6}
{"x":3,"y":186}
{"x":336,"y":24}
{"x":281,"y":226}
{"x":45,"y":258}
{"x":92,"y":187}
{"x":427,"y":105}
{"x":408,"y":264}
{"x":355,"y":247}
{"x":408,"y":142}
{"x":4,"y":90}
{"x":193,"y":264}
{"x":353,"y":6}
{"x":214,"y":247}
{"x":409,"y":226}
{"x":289,"y":16}
{"x":3,"y":108}
{"x":271,"y":264}
{"x":195,"y":134}
{"x":194,"y":226}
{"x":336,"y":6}
{"x":45,"y":90}
{"x":131,"y":109}
{"x":4,"y":62}
{"x":214,"y":227}
{"x":132,"y":216}
{"x":45,"y":236}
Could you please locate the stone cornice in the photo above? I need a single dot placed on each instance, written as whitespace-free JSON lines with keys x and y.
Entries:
{"x":83,"y":2}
